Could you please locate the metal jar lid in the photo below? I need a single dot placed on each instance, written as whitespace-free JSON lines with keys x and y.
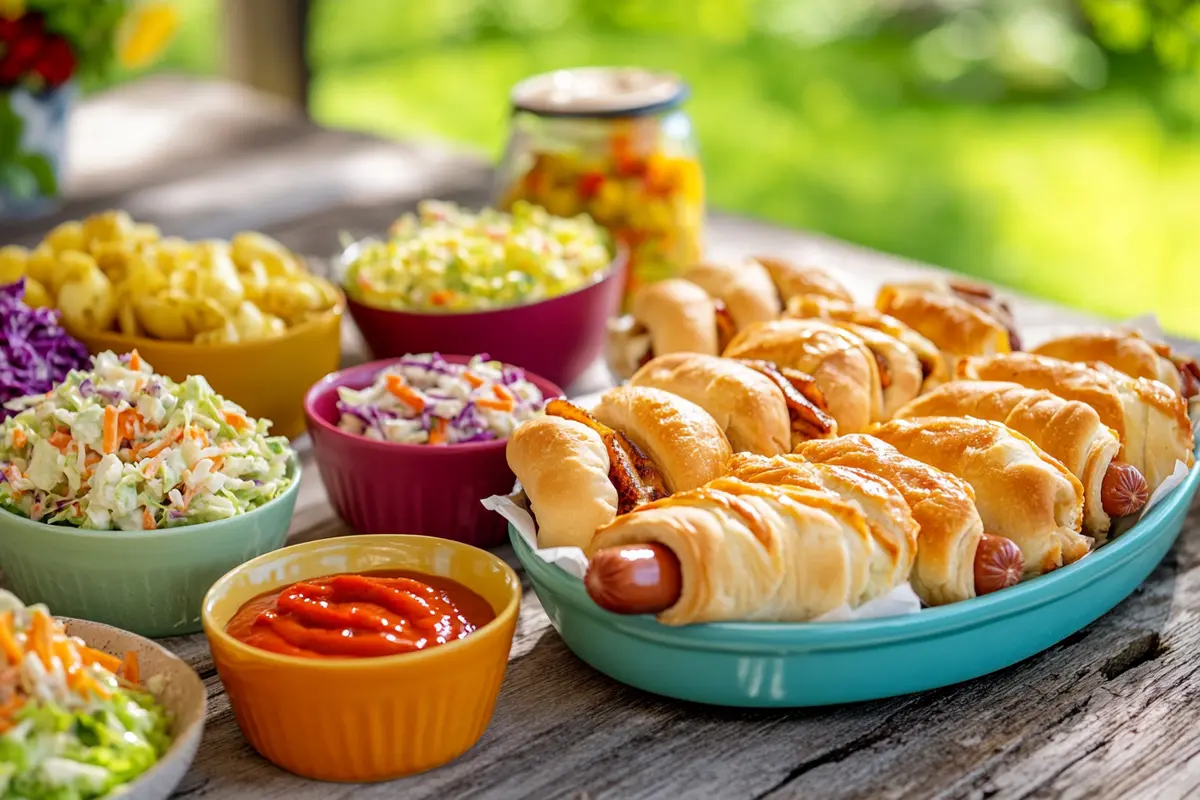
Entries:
{"x":598,"y":92}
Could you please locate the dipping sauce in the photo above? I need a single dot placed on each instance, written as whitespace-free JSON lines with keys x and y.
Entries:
{"x":361,"y":615}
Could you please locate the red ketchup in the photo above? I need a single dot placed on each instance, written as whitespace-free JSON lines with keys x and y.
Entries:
{"x":361,"y":615}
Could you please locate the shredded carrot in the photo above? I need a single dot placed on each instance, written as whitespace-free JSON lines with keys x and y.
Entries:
{"x":437,"y":433}
{"x":473,"y":379}
{"x":397,"y":386}
{"x":8,"y":639}
{"x":92,"y":656}
{"x":65,"y":651}
{"x":495,"y":405}
{"x":127,"y":423}
{"x":236,"y":421}
{"x":441,"y":298}
{"x":135,"y":361}
{"x":132,"y":672}
{"x":39,"y":639}
{"x":111,"y":435}
{"x":148,"y":523}
{"x":19,"y":438}
{"x":60,"y":439}
{"x":9,"y":708}
{"x":89,"y":684}
{"x":503,"y":393}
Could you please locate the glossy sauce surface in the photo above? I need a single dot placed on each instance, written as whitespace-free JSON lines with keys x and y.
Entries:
{"x":360,"y":615}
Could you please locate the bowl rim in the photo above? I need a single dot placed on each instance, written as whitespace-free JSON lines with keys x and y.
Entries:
{"x":615,"y":268}
{"x":487,"y":630}
{"x":160,"y":533}
{"x":128,"y":342}
{"x":776,"y":637}
{"x":334,"y":380}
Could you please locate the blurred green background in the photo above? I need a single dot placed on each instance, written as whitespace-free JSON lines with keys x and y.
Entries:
{"x":1050,"y":146}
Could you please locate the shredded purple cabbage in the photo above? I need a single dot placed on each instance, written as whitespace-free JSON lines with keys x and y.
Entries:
{"x":35,"y":352}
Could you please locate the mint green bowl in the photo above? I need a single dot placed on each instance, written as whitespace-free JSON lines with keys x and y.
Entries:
{"x":151,"y":583}
{"x":813,"y":664}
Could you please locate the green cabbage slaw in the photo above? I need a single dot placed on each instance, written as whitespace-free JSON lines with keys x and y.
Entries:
{"x":445,"y":259}
{"x":120,"y":448}
{"x":70,"y":728}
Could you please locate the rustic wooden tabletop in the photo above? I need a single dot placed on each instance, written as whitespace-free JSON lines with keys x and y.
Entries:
{"x":1110,"y":712}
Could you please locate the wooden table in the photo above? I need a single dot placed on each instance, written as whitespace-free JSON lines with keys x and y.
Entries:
{"x":1111,"y":712}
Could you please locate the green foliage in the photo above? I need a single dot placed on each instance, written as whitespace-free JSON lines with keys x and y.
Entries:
{"x":89,"y":25}
{"x":23,"y":175}
{"x":1169,"y":28}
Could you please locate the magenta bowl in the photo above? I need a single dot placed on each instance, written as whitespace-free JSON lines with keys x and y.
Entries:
{"x":431,"y":490}
{"x":559,"y":337}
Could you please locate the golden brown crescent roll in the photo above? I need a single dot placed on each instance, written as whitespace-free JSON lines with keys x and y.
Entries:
{"x":934,"y":371}
{"x":680,"y":437}
{"x":1021,"y":493}
{"x":1066,"y":429}
{"x":899,"y":367}
{"x":888,"y":516}
{"x":745,"y":288}
{"x":563,"y":467}
{"x":942,"y":505}
{"x":754,"y":552}
{"x":794,"y":280}
{"x":1149,"y":418}
{"x":844,"y":367}
{"x":747,"y":405}
{"x":671,"y":316}
{"x":1126,"y":351}
{"x":956,"y":326}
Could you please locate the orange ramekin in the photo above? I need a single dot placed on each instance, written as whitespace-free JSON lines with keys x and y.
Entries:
{"x":365,"y":719}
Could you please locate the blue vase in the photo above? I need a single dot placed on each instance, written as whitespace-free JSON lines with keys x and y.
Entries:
{"x":44,"y":132}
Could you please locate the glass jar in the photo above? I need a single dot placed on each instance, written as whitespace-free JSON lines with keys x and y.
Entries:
{"x":615,"y":144}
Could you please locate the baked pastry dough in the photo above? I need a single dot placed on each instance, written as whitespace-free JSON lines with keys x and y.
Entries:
{"x":681,"y":438}
{"x":888,"y":516}
{"x":956,"y":326}
{"x":747,"y":405}
{"x":755,"y":552}
{"x":563,"y":467}
{"x":942,"y":505}
{"x":844,"y":368}
{"x":1066,"y":429}
{"x":899,"y":367}
{"x":671,"y":316}
{"x":934,"y":371}
{"x":745,"y":288}
{"x":1021,"y":493}
{"x":1126,"y":351}
{"x":1149,"y":418}
{"x":794,"y":280}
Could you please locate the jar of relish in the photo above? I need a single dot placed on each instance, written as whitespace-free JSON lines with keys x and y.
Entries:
{"x":613,"y":143}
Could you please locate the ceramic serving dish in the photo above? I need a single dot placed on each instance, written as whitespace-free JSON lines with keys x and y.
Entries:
{"x":385,"y":487}
{"x":267,"y":377}
{"x":183,"y":695}
{"x":148,"y":582}
{"x":365,"y":719}
{"x":558,"y":338}
{"x":813,"y":664}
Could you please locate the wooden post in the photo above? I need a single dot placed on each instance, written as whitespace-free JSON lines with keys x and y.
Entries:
{"x":264,"y":46}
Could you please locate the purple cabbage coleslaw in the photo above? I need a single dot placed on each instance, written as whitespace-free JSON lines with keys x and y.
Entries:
{"x":425,"y":399}
{"x":35,"y":352}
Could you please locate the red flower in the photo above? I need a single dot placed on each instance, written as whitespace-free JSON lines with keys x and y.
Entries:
{"x":56,"y":63}
{"x":11,"y":71}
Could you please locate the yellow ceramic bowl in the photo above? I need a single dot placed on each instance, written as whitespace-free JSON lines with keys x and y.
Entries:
{"x":268,"y":377}
{"x":365,"y":719}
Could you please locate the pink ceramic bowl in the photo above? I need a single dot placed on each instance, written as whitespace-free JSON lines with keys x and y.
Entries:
{"x":431,"y":490}
{"x":559,"y":337}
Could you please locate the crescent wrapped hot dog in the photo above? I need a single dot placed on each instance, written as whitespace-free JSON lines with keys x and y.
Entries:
{"x":1066,"y":429}
{"x":744,"y":287}
{"x":759,"y":409}
{"x":796,"y":280}
{"x":1021,"y":493}
{"x":900,"y":375}
{"x":1131,"y":353}
{"x":749,"y":552}
{"x":955,"y":559}
{"x":671,"y":316}
{"x":843,"y":366}
{"x":1149,"y":418}
{"x":957,"y":326}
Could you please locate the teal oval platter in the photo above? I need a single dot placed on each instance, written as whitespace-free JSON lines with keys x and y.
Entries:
{"x":788,"y":665}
